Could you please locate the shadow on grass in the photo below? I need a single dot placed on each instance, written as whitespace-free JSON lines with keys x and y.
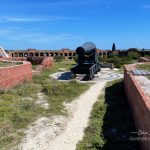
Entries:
{"x":117,"y":122}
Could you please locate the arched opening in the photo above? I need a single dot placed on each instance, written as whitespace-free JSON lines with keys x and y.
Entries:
{"x":56,"y":54}
{"x":42,"y":54}
{"x":20,"y":54}
{"x":100,"y":54}
{"x":25,"y":54}
{"x":46,"y":54}
{"x":51,"y":54}
{"x":31,"y":55}
{"x":16,"y":54}
{"x":37,"y":54}
{"x":66,"y":54}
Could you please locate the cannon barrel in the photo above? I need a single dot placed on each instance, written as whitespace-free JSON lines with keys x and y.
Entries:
{"x":86,"y":48}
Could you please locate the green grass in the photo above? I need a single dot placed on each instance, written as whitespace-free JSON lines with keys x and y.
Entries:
{"x":144,"y":67}
{"x":34,"y":67}
{"x":17,"y":111}
{"x":60,"y":92}
{"x":65,"y":64}
{"x":111,"y":123}
{"x":7,"y":63}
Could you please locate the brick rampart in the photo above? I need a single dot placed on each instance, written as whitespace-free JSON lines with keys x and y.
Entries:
{"x":47,"y":62}
{"x":12,"y":75}
{"x":143,"y":59}
{"x":15,"y":58}
{"x":140,"y":105}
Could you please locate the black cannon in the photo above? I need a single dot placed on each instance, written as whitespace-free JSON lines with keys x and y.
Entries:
{"x":87,"y":62}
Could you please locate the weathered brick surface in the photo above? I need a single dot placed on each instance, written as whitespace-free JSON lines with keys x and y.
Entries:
{"x":47,"y":62}
{"x":15,"y":58}
{"x":143,"y":59}
{"x":139,"y":103}
{"x":13,"y":75}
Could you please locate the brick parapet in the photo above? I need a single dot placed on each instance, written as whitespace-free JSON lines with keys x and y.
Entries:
{"x":12,"y":75}
{"x":139,"y":104}
{"x":143,"y":59}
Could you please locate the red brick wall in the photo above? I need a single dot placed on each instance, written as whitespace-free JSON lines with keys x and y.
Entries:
{"x":143,"y":59}
{"x":47,"y":62}
{"x":13,"y":75}
{"x":139,"y":103}
{"x":15,"y":58}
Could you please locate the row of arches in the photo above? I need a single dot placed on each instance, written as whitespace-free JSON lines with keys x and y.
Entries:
{"x":41,"y":54}
{"x":69,"y":55}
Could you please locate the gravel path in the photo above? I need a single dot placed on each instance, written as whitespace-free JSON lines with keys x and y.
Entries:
{"x":67,"y":136}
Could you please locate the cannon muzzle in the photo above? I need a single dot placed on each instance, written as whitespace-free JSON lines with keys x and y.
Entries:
{"x":86,"y":48}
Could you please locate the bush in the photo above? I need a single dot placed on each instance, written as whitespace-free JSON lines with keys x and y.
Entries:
{"x":75,"y":59}
{"x":117,"y":61}
{"x":133,"y":55}
{"x":59,"y":58}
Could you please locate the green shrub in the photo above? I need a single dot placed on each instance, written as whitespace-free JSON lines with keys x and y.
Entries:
{"x":133,"y":55}
{"x":59,"y":58}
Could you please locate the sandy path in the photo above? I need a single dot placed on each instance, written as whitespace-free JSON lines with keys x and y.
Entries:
{"x":41,"y":136}
{"x":75,"y":127}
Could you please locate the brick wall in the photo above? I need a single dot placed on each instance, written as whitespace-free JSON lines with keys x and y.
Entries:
{"x":15,"y":58}
{"x":139,"y":103}
{"x":47,"y":62}
{"x":13,"y":75}
{"x":143,"y":59}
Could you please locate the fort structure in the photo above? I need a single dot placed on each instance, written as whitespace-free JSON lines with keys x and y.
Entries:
{"x":69,"y":54}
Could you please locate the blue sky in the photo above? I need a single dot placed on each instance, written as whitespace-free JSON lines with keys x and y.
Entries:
{"x":56,"y":24}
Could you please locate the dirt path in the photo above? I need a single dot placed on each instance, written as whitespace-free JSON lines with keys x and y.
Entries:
{"x":43,"y":135}
{"x":75,"y":127}
{"x":65,"y":133}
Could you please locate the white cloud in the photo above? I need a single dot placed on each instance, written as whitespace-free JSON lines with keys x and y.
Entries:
{"x":17,"y":19}
{"x":36,"y":37}
{"x":38,"y":19}
{"x":45,"y":38}
{"x":20,"y":19}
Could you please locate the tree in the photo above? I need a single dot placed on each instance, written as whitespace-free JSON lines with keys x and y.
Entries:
{"x":113,"y":47}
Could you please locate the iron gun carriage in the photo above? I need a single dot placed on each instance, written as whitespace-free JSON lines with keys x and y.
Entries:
{"x":87,"y":61}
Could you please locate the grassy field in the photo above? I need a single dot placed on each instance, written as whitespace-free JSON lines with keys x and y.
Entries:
{"x":144,"y":67}
{"x":7,"y":63}
{"x":111,"y":123}
{"x":18,"y":108}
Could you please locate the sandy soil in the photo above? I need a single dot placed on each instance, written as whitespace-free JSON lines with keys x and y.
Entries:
{"x":59,"y":132}
{"x":42,"y":101}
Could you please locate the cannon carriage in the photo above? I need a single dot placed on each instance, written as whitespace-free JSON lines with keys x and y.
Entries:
{"x":87,"y":62}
